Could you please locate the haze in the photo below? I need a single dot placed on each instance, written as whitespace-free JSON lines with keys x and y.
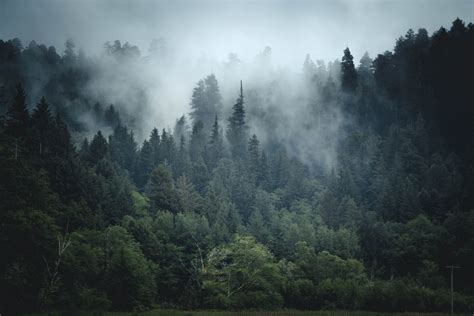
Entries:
{"x":200,"y":35}
{"x":212,"y":29}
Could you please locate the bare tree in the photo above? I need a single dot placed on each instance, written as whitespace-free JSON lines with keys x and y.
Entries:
{"x":52,"y":271}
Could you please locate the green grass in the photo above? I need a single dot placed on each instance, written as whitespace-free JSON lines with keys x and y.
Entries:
{"x":173,"y":312}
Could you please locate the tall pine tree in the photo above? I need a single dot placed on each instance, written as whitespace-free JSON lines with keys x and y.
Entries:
{"x":237,"y":129}
{"x":348,"y":72}
{"x":17,"y":118}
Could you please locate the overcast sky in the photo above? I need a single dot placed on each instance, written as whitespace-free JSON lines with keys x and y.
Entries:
{"x":214,"y":28}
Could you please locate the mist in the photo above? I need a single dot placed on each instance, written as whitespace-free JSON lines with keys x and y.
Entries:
{"x":236,"y":155}
{"x":196,"y":38}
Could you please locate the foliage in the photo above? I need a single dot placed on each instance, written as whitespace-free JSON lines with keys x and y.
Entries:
{"x":193,"y":219}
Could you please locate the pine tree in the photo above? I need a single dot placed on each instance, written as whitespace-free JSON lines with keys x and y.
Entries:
{"x":84,"y":151}
{"x":200,"y":174}
{"x":237,"y":129}
{"x":69,"y":57}
{"x":17,"y":118}
{"x":144,"y":165}
{"x":348,"y":72}
{"x":213,"y":98}
{"x":161,"y":190}
{"x":167,"y":147}
{"x":122,"y":147}
{"x":155,"y":143}
{"x":254,"y":156}
{"x":42,"y":124}
{"x":198,"y":142}
{"x":263,"y":177}
{"x":182,"y":165}
{"x":181,"y":128}
{"x":61,"y":138}
{"x":198,"y":102}
{"x":281,"y":169}
{"x":366,"y":64}
{"x":112,"y":117}
{"x":98,"y":148}
{"x":206,"y":102}
{"x":216,"y":146}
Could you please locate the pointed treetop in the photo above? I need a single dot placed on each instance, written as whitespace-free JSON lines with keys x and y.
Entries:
{"x":17,"y":114}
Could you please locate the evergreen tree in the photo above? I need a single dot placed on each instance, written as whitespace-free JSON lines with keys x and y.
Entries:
{"x":144,"y":165}
{"x":155,"y":143}
{"x":122,"y":147}
{"x":84,"y":147}
{"x":213,"y":98}
{"x":254,"y":156}
{"x":280,"y":172}
{"x":181,"y":128}
{"x":42,"y":125}
{"x":61,"y":145}
{"x":17,"y":118}
{"x":216,"y":146}
{"x":182,"y":165}
{"x":98,"y":148}
{"x":198,"y":102}
{"x":112,"y":117}
{"x":237,"y":129}
{"x":69,"y":56}
{"x":167,"y":147}
{"x":198,"y":142}
{"x":161,"y":190}
{"x":263,"y":176}
{"x":348,"y":72}
{"x":206,"y":102}
{"x":365,"y":65}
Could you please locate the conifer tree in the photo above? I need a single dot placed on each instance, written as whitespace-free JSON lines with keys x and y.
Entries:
{"x":348,"y":72}
{"x":17,"y":118}
{"x":155,"y":143}
{"x":98,"y":148}
{"x":42,"y":123}
{"x":216,"y":146}
{"x":254,"y":155}
{"x":206,"y":102}
{"x":198,"y":142}
{"x":145,"y":164}
{"x":162,"y":193}
{"x":237,"y":129}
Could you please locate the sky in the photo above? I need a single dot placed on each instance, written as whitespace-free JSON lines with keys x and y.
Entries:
{"x":213,"y":29}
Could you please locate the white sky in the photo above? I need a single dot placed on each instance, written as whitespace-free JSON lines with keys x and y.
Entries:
{"x":212,"y":29}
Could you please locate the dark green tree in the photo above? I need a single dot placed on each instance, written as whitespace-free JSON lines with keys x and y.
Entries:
{"x":254,"y":156}
{"x":216,"y":145}
{"x":42,"y":126}
{"x":17,"y":119}
{"x":161,"y":191}
{"x":348,"y":72}
{"x":98,"y":148}
{"x":237,"y":129}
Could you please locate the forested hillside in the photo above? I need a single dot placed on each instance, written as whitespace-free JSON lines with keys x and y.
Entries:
{"x":357,"y":198}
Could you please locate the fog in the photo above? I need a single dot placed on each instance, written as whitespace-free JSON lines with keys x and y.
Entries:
{"x":214,"y":28}
{"x":197,"y":38}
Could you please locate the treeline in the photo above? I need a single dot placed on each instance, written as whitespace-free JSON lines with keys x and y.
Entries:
{"x":66,"y":79}
{"x":208,"y":216}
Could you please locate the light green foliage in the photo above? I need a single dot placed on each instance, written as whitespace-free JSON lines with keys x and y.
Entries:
{"x":241,"y":274}
{"x":141,"y":204}
{"x":109,"y":269}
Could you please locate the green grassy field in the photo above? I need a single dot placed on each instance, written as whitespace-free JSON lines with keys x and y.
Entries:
{"x":167,"y":312}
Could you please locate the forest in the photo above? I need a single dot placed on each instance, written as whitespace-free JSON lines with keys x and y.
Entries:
{"x":346,"y":186}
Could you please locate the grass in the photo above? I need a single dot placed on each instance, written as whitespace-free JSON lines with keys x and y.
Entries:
{"x":173,"y":312}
